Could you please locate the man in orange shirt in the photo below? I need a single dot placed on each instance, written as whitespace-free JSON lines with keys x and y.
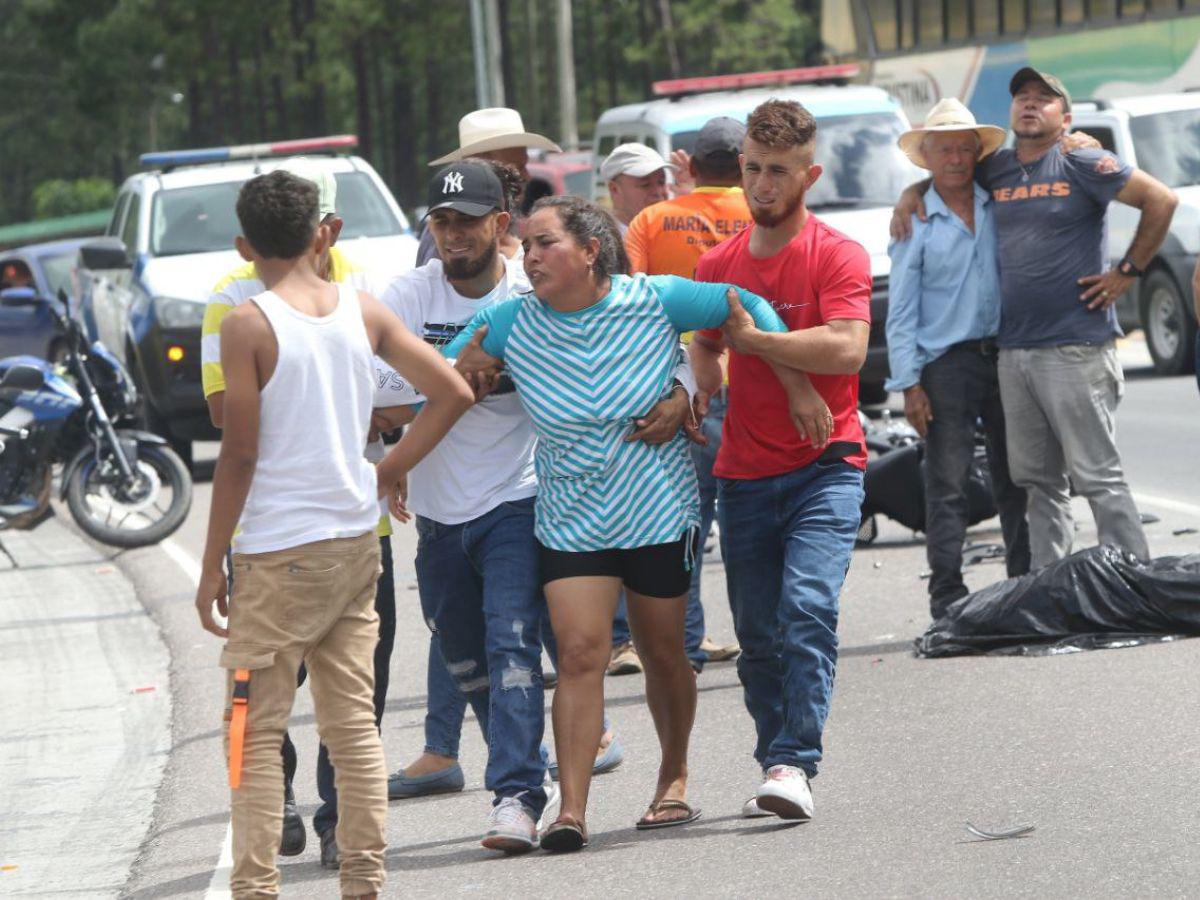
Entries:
{"x":668,"y":238}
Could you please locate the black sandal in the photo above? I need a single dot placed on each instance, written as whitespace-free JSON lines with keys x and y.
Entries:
{"x":645,"y":823}
{"x":564,"y":836}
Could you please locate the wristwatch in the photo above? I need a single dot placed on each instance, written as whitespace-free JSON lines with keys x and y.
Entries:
{"x":1127,"y":268}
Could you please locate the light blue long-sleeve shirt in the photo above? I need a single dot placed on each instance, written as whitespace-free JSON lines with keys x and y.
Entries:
{"x":944,"y":287}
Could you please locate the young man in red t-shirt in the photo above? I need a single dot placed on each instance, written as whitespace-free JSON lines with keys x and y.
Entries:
{"x":791,"y":478}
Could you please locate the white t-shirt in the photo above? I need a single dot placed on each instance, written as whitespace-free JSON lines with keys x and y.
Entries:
{"x":487,"y":458}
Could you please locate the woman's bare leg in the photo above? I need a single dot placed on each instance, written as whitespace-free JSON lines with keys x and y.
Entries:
{"x":581,"y":613}
{"x":658,"y":631}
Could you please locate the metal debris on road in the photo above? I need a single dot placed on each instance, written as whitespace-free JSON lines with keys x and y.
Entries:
{"x":1179,"y":531}
{"x":1004,"y":834}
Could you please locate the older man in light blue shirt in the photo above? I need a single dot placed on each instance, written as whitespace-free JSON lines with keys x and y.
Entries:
{"x":943,"y":317}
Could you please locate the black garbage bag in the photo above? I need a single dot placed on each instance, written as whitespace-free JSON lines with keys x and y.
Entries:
{"x":1099,"y":597}
{"x":894,"y":485}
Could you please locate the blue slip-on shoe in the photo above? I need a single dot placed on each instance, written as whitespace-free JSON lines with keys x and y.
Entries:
{"x":448,"y":781}
{"x":612,"y":757}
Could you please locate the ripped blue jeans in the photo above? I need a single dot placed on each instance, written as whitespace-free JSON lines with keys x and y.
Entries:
{"x":480,"y":592}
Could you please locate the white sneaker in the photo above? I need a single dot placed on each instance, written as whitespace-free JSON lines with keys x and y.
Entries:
{"x":510,"y":827}
{"x":786,"y":793}
{"x":751,"y":810}
{"x":553,"y":804}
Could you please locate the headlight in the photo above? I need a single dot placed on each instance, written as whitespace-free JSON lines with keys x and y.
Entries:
{"x":173,"y":312}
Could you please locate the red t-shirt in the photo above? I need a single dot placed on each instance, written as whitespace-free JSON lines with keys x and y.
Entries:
{"x":820,"y":276}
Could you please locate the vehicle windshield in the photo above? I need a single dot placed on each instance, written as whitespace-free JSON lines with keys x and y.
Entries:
{"x":202,"y":219}
{"x":57,"y":269}
{"x":862,"y":165}
{"x":1168,"y":146}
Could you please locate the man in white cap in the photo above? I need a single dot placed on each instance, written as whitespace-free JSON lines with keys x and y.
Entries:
{"x":636,"y":176}
{"x":497,"y":134}
{"x":943,"y":319}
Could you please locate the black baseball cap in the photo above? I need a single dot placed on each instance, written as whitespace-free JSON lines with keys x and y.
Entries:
{"x":719,"y":140}
{"x":469,"y":187}
{"x":1052,"y":83}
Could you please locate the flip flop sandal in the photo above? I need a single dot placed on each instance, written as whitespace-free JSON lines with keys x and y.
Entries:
{"x":564,"y":837}
{"x":691,"y":815}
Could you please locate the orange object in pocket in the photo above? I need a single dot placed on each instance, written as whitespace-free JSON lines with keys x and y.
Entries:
{"x":237,"y":725}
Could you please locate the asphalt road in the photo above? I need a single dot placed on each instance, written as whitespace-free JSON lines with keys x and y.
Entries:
{"x":1099,"y":750}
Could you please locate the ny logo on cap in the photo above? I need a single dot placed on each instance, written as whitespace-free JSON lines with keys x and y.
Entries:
{"x":452,"y":183}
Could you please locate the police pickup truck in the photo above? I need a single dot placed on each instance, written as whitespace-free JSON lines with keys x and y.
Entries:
{"x":177,"y":224}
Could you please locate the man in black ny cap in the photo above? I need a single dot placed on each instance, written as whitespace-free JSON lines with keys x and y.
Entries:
{"x":669,"y":238}
{"x":1060,"y":379}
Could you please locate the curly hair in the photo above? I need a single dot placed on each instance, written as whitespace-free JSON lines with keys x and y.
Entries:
{"x":511,"y":181}
{"x":278,"y":213}
{"x":585,"y":221}
{"x":781,"y":124}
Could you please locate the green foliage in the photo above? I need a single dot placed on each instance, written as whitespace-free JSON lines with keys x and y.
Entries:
{"x":59,"y":197}
{"x":97,"y":82}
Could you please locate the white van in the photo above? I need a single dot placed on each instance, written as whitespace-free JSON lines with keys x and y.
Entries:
{"x":1160,"y":135}
{"x":857,"y":128}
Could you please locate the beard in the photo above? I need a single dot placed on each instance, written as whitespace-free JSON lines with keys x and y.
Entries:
{"x":769,"y":218}
{"x":462,"y":269}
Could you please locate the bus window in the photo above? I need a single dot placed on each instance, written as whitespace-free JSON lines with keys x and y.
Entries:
{"x":956,"y":16}
{"x":1014,"y":17}
{"x":905,"y":23}
{"x":929,"y":23}
{"x":1099,"y":10}
{"x":987,"y":18}
{"x":883,"y":21}
{"x":1101,"y":133}
{"x":1071,"y":11}
{"x":1132,"y":9}
{"x":1043,"y":15}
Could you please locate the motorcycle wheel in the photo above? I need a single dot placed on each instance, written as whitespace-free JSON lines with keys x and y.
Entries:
{"x":158,"y":467}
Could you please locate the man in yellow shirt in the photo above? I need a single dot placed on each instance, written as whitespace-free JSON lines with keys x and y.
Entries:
{"x":668,"y":238}
{"x":234,"y":289}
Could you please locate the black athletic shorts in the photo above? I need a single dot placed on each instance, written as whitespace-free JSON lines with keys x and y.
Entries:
{"x":656,"y":570}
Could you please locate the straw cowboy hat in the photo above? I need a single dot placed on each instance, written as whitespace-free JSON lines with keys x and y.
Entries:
{"x":493,"y":129}
{"x":950,"y":115}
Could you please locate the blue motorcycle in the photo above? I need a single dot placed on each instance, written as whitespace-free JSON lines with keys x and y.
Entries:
{"x":123,"y":486}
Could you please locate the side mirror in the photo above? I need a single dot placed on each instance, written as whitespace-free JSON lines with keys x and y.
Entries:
{"x":19,"y":296}
{"x":23,"y":378}
{"x":105,"y":253}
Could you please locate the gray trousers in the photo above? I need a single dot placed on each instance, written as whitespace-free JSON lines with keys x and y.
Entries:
{"x":1060,"y":406}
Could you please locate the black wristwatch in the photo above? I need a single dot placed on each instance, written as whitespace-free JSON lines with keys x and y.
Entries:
{"x":1127,"y":268}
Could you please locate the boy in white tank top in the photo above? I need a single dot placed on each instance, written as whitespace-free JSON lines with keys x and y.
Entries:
{"x":299,"y":383}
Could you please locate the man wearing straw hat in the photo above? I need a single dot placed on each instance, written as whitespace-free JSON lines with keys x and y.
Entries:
{"x":498,"y":134}
{"x":943,"y":318}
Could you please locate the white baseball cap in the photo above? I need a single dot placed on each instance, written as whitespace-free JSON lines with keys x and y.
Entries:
{"x":311,"y":170}
{"x":637,"y":160}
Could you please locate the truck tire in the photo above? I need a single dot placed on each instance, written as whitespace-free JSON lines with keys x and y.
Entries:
{"x":1168,"y":324}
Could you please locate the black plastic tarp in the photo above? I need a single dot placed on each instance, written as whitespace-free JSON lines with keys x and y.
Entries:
{"x":1100,"y":597}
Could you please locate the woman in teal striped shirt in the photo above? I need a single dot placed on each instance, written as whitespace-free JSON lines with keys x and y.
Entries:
{"x":590,"y":351}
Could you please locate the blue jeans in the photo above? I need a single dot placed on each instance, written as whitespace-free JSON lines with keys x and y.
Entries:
{"x":787,"y":542}
{"x":479,"y":589}
{"x":703,"y":458}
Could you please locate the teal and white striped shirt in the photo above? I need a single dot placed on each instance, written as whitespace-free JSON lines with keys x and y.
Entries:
{"x":583,"y":377}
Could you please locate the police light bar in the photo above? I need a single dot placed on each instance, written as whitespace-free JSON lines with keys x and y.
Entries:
{"x":678,"y":86}
{"x":171,"y":158}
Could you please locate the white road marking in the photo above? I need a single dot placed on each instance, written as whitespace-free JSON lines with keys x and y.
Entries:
{"x":183,"y":559}
{"x":218,"y":887}
{"x":1166,"y":503}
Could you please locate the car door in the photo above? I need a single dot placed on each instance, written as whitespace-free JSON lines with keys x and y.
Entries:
{"x":109,"y":297}
{"x":25,"y":329}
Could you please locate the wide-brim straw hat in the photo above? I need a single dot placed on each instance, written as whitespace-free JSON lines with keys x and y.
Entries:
{"x":493,"y":129}
{"x":950,"y":115}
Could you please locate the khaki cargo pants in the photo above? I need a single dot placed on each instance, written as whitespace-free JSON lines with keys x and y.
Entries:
{"x":314,"y":603}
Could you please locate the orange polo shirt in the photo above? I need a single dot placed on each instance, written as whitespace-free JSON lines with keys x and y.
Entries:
{"x":668,"y":238}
